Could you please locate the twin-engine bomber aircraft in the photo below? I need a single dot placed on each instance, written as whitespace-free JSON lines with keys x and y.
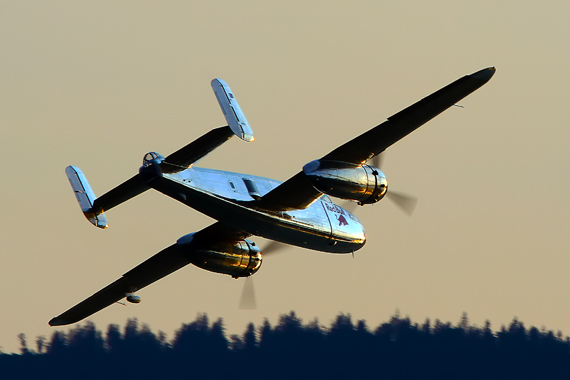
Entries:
{"x":298,"y":211}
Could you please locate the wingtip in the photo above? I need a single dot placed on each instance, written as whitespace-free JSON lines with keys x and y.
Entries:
{"x":221,"y":81}
{"x":485,"y":74}
{"x":58,"y":322}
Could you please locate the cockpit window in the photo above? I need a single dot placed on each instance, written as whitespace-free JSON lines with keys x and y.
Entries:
{"x":326,"y":198}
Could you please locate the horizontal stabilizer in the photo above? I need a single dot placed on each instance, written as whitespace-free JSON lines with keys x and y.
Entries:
{"x":85,"y":196}
{"x":197,"y":149}
{"x":232,"y":111}
{"x":122,"y":193}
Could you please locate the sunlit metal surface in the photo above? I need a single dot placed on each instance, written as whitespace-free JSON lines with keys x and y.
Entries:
{"x":85,"y":196}
{"x":323,"y":226}
{"x":238,"y":259}
{"x":232,"y":111}
{"x":362,"y":183}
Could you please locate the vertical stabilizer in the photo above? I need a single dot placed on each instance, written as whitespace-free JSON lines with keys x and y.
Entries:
{"x":85,"y":196}
{"x":232,"y":111}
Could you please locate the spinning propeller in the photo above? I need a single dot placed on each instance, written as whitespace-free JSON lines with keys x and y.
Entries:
{"x":247,"y":300}
{"x":406,"y":203}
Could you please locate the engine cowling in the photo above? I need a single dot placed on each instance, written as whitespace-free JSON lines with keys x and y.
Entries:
{"x":240,"y":259}
{"x":362,"y":183}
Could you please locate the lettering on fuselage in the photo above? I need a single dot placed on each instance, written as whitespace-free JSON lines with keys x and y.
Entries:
{"x":334,"y":208}
{"x":337,"y":210}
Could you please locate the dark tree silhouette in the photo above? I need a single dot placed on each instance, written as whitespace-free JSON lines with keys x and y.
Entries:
{"x":398,"y":349}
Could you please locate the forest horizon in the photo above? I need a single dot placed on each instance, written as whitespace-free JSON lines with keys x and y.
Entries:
{"x":399,"y":348}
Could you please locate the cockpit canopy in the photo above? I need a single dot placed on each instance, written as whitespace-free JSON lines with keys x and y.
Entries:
{"x":152,"y":158}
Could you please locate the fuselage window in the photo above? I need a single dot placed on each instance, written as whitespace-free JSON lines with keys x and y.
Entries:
{"x":233,"y":186}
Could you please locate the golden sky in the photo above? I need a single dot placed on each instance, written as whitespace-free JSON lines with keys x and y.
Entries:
{"x":98,"y":84}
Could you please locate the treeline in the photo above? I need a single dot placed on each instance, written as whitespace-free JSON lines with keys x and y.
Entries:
{"x":398,"y":349}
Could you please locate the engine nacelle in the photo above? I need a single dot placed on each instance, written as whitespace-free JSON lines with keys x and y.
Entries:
{"x":239,"y":259}
{"x":362,"y":183}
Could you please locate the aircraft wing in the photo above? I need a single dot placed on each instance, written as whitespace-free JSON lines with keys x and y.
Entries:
{"x":376,"y":140}
{"x":298,"y":193}
{"x":158,"y":266}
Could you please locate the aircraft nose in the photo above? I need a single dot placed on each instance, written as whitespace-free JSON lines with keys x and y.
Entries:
{"x":356,"y":231}
{"x":362,"y":236}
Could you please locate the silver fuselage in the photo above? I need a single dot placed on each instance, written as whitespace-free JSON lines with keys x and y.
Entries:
{"x":230,"y":197}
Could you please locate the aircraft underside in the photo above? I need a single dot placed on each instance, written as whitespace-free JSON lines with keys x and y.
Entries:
{"x":311,"y":229}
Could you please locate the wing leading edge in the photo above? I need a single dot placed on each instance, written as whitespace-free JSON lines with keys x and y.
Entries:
{"x":298,"y":193}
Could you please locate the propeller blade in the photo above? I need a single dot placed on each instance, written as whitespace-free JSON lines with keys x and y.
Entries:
{"x":405,"y":202}
{"x":247,"y":300}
